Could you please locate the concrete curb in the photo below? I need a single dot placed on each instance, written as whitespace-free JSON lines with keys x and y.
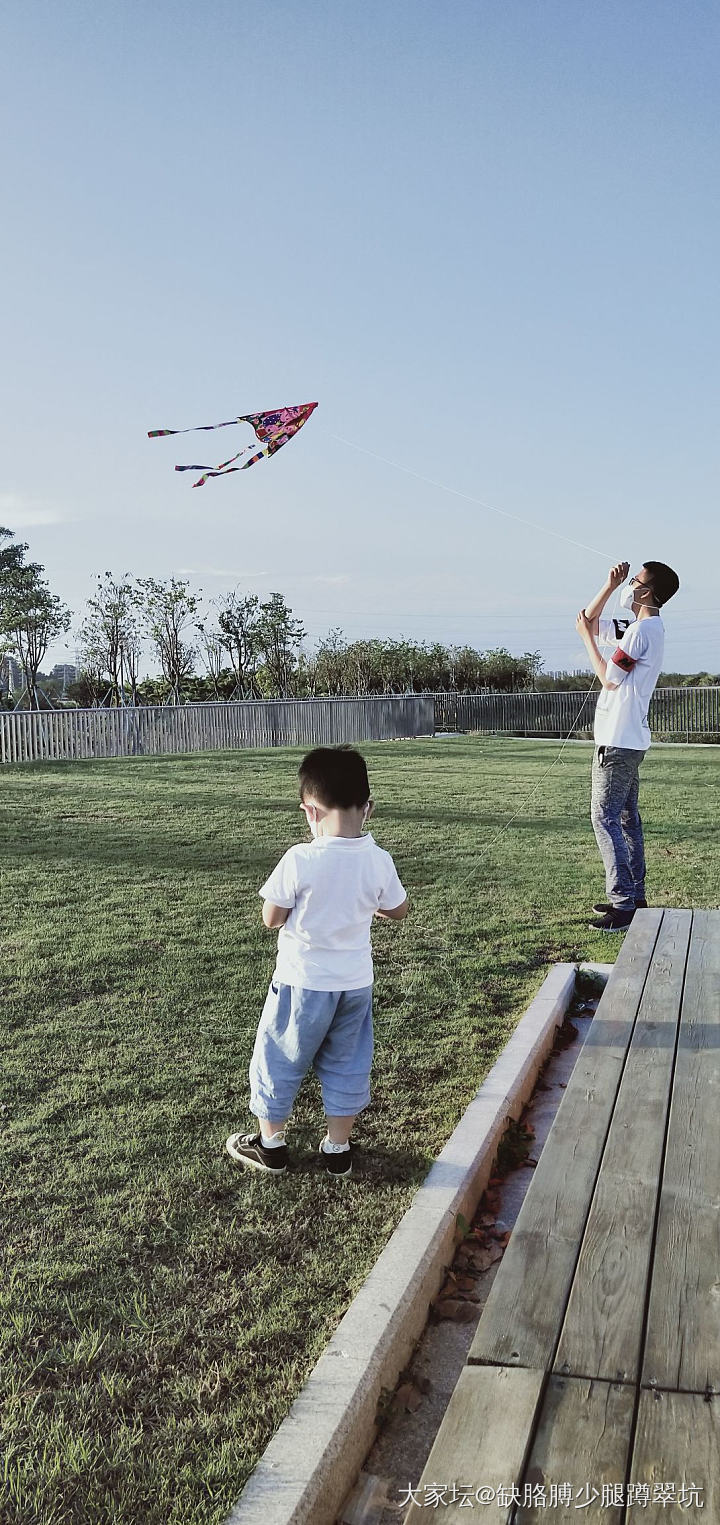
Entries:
{"x":312,"y":1461}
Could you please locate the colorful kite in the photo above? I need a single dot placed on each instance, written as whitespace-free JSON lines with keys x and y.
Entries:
{"x":274,"y":429}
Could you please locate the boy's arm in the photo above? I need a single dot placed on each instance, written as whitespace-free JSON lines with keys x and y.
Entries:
{"x":398,"y":913}
{"x":275,"y":915}
{"x":279,"y":892}
{"x":615,"y":577}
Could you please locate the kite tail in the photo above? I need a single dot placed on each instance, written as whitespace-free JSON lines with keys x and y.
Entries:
{"x":261,"y":454}
{"x":214,"y":469}
{"x":227,"y":469}
{"x":203,"y":479}
{"x":201,"y":428}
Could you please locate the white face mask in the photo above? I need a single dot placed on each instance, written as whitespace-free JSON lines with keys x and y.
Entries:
{"x":627,"y":597}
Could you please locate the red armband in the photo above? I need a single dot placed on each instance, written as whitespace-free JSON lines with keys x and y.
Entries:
{"x":621,"y":659}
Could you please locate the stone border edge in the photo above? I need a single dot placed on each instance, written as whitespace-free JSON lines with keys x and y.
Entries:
{"x":312,"y":1461}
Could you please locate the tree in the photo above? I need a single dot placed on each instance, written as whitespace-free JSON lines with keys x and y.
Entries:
{"x":212,"y":646}
{"x":91,"y":685}
{"x":12,"y":563}
{"x":238,"y":621}
{"x":12,"y":557}
{"x":110,"y":637}
{"x":330,"y":665}
{"x":33,"y":618}
{"x":278,"y":638}
{"x":167,"y":610}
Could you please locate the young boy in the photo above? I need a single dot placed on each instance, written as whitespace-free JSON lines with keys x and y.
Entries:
{"x":322,"y":896}
{"x":622,"y":734}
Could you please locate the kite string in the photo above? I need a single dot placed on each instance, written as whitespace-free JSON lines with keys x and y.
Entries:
{"x":443,"y":487}
{"x":529,"y":524}
{"x":533,"y":793}
{"x":530,"y":797}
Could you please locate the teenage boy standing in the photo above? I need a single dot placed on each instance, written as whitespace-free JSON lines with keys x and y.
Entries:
{"x":622,"y":734}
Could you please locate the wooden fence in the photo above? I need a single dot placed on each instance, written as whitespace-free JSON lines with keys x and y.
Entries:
{"x":64,"y":735}
{"x":680,"y":712}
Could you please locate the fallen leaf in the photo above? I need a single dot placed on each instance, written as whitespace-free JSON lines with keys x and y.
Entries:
{"x":407,"y":1397}
{"x":484,"y":1259}
{"x":458,"y":1310}
{"x":467,"y":1285}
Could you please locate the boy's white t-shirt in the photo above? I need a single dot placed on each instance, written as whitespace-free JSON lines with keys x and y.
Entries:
{"x":621,"y":716}
{"x":333,"y":886}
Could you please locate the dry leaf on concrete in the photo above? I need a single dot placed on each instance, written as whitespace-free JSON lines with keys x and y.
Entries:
{"x":455,"y":1308}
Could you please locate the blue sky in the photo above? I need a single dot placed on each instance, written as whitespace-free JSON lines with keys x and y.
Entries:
{"x":483,"y":236}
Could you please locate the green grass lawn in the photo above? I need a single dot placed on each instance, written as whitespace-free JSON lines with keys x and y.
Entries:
{"x":159,"y":1308}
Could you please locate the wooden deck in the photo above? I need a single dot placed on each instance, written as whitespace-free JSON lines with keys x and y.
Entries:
{"x":596,"y":1364}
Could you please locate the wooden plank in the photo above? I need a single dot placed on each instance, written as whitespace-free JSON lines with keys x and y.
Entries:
{"x":603,"y":1329}
{"x":524,"y":1311}
{"x":482,"y":1441}
{"x":682,"y":1348}
{"x":677,"y":1441}
{"x":582,"y":1442}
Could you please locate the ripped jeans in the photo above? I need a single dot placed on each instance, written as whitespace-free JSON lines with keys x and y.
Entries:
{"x":617,"y":824}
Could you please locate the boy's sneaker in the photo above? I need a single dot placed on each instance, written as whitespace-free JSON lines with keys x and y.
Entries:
{"x":614,"y":921}
{"x":337,"y":1164}
{"x":248,"y":1149}
{"x":604,"y":908}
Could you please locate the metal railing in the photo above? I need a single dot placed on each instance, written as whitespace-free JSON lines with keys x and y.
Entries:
{"x":688,"y":712}
{"x":64,"y":735}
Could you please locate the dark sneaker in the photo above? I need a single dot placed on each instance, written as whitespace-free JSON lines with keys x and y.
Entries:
{"x":248,"y":1149}
{"x":337,"y":1164}
{"x":603,"y":907}
{"x":614,"y":921}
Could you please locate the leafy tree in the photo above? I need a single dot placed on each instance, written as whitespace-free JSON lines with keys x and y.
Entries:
{"x":110,"y":637}
{"x":330,"y":664}
{"x":279,"y":637}
{"x":12,"y":557}
{"x":508,"y":673}
{"x":12,"y":565}
{"x":167,"y":609}
{"x":32,"y":618}
{"x":238,"y":622}
{"x":212,"y":648}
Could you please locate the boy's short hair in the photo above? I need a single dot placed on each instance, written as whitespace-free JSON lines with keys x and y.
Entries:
{"x":336,"y":777}
{"x":665,"y":582}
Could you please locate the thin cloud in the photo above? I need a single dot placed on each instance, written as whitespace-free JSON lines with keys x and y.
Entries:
{"x":220,"y":572}
{"x":22,"y":513}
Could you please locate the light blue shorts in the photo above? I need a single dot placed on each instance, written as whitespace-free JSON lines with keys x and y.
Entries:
{"x":330,"y":1030}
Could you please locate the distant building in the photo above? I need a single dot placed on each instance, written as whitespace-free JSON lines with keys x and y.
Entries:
{"x":64,"y":673}
{"x":11,"y":676}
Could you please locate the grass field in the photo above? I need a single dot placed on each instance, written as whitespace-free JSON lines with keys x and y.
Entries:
{"x":159,"y":1309}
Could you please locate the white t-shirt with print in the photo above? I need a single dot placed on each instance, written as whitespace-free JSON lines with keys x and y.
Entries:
{"x":635,"y":664}
{"x":333,"y":886}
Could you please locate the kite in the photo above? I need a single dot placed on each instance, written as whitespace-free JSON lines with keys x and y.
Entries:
{"x":272,"y":429}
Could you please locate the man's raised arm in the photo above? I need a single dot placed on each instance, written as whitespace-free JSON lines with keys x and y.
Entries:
{"x":615,"y":577}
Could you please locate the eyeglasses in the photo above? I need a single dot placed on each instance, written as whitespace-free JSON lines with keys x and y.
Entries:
{"x":638,"y":584}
